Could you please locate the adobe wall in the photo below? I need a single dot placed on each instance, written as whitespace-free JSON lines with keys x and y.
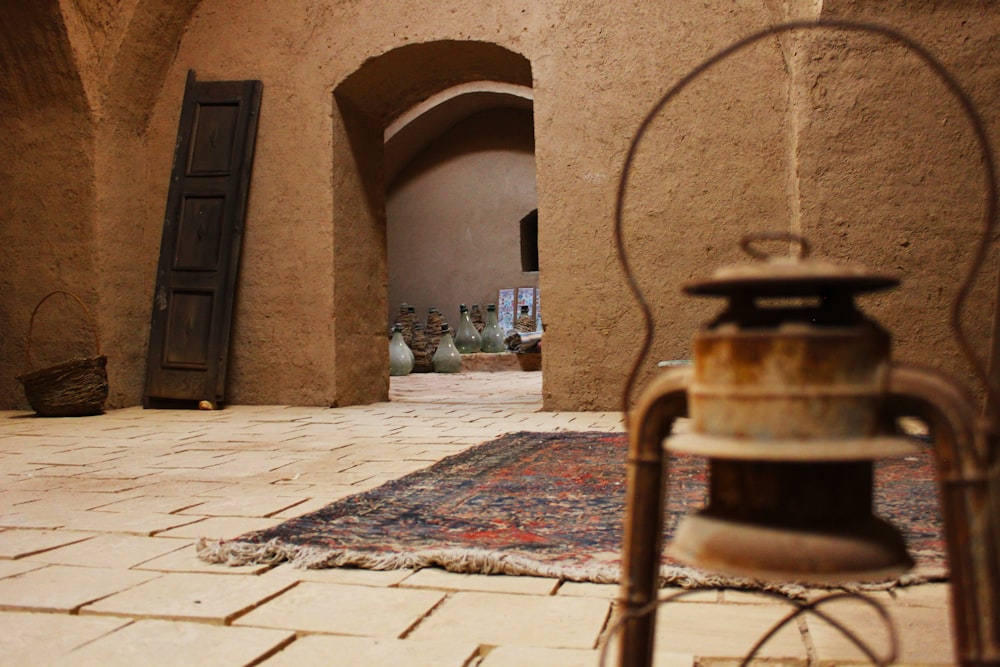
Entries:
{"x":589,"y":93}
{"x":889,"y":173}
{"x":47,"y":197}
{"x":780,"y":137}
{"x":77,"y":83}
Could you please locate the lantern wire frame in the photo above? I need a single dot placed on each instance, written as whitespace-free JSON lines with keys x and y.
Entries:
{"x":943,"y":401}
{"x":975,"y":121}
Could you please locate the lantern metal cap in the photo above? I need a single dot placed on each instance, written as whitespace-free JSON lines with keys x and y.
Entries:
{"x":789,"y":275}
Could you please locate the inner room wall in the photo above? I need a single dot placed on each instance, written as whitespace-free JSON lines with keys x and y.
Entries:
{"x":453,"y":215}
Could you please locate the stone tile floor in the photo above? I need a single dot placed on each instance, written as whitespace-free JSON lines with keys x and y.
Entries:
{"x":99,"y":516}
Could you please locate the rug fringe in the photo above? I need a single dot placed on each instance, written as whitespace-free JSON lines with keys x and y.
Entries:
{"x":473,"y":561}
{"x":236,"y":553}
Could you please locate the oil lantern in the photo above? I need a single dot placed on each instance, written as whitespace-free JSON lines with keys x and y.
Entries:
{"x":791,"y":397}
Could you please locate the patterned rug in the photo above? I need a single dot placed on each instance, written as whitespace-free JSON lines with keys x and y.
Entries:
{"x":543,"y":504}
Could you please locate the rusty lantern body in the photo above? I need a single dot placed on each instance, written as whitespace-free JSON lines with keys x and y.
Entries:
{"x":791,"y":396}
{"x":787,"y":400}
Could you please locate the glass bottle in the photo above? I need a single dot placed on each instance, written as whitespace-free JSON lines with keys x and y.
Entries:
{"x":467,"y":339}
{"x":492,"y":334}
{"x":447,"y":359}
{"x":400,"y":356}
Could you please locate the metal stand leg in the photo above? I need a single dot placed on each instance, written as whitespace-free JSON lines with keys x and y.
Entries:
{"x":652,"y":421}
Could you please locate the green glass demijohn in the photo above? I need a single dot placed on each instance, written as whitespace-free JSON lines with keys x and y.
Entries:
{"x":467,"y":339}
{"x":447,"y":359}
{"x":400,"y":355}
{"x":492,"y":333}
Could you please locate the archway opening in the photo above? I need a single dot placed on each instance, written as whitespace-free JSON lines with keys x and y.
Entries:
{"x":413,"y":118}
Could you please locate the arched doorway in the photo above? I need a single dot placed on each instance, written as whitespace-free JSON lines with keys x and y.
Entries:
{"x":409,"y":96}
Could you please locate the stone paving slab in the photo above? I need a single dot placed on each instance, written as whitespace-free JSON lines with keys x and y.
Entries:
{"x":245,"y":505}
{"x":722,"y":630}
{"x":170,"y":644}
{"x":108,"y":550}
{"x":12,"y":568}
{"x":212,"y":598}
{"x":522,"y":656}
{"x":141,"y":504}
{"x":338,"y":575}
{"x":912,"y":622}
{"x":13,"y":440}
{"x":73,"y":471}
{"x":41,"y":516}
{"x":193,"y":459}
{"x":33,"y":638}
{"x":521,"y":620}
{"x":934,"y":595}
{"x":243,"y":467}
{"x":60,"y":588}
{"x":11,"y":498}
{"x":331,"y":464}
{"x":18,"y":543}
{"x":136,"y":523}
{"x":219,"y":527}
{"x":181,"y":488}
{"x":519,"y":656}
{"x":82,"y":501}
{"x":345,"y":610}
{"x":110,"y":485}
{"x":139,"y":473}
{"x":75,"y":458}
{"x":384,"y":468}
{"x":329,"y":495}
{"x":383,"y":451}
{"x":327,"y":651}
{"x":586,"y":589}
{"x":438,"y":579}
{"x":185,"y":559}
{"x":359,"y":479}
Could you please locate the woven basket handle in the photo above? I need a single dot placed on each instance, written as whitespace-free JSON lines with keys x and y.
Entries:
{"x":90,"y":321}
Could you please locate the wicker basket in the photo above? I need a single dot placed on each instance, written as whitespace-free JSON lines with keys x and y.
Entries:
{"x":72,"y":388}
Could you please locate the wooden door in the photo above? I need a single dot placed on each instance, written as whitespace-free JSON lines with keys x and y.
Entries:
{"x":200,"y":247}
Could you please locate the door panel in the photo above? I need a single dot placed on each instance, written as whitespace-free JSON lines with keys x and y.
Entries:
{"x":200,"y":248}
{"x":188,"y":342}
{"x":199,"y":234}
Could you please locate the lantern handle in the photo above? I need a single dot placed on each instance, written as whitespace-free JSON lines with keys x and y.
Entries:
{"x":992,"y":391}
{"x":746,"y":243}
